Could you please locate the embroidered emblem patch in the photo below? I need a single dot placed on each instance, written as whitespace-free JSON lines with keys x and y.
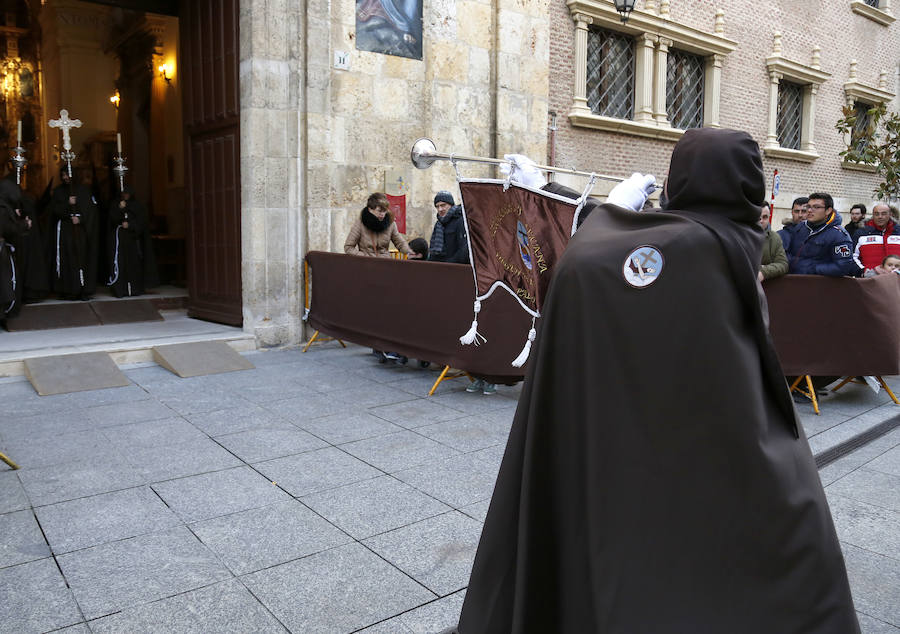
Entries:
{"x":643,"y":266}
{"x":842,"y":250}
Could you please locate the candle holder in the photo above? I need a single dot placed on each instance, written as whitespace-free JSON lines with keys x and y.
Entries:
{"x":120,"y":170}
{"x":18,"y":159}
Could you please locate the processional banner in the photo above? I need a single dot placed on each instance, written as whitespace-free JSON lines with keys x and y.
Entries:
{"x":516,"y":237}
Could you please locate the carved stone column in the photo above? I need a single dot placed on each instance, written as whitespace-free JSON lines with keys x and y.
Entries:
{"x":713,"y":91}
{"x":581,"y":37}
{"x":662,"y":64}
{"x":772,"y":137}
{"x":643,"y":80}
{"x":808,"y":127}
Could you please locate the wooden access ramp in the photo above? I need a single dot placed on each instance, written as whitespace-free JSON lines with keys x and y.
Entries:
{"x":200,"y":358}
{"x":62,"y":374}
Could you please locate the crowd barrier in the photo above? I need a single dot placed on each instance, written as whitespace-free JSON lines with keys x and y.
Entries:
{"x":820,"y":325}
{"x":836,"y":326}
{"x":417,"y":309}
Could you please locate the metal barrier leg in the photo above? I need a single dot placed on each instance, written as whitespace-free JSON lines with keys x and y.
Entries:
{"x":315,"y":338}
{"x":812,"y":393}
{"x":8,"y":461}
{"x":311,"y":341}
{"x":444,"y":377}
{"x":439,"y":379}
{"x":888,"y":390}
{"x":849,"y":379}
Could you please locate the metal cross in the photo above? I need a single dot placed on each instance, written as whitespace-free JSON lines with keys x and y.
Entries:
{"x":648,"y":259}
{"x":65,"y":123}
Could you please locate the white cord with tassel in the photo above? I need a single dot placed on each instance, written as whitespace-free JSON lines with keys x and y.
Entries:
{"x":519,"y":361}
{"x":473,"y":336}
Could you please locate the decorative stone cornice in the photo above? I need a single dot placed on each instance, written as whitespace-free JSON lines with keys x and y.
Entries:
{"x":793,"y":155}
{"x":856,"y":91}
{"x":880,"y":16}
{"x":859,"y":167}
{"x":627,"y":126}
{"x":795,"y":71}
{"x":685,"y":37}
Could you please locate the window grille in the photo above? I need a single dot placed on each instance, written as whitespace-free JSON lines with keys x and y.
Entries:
{"x":610,"y":74}
{"x":684,"y":90}
{"x":790,"y":114}
{"x":858,"y":136}
{"x":872,"y":3}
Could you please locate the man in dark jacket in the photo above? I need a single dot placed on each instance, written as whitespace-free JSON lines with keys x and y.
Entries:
{"x":820,"y":245}
{"x":798,"y":215}
{"x":448,"y":240}
{"x":857,"y":219}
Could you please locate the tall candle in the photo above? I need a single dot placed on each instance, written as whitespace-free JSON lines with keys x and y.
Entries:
{"x":119,"y":142}
{"x":19,"y":134}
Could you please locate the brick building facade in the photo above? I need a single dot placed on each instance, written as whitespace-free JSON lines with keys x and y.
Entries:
{"x":832,"y":52}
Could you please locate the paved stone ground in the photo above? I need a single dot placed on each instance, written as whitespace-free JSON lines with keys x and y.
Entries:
{"x":320,"y":492}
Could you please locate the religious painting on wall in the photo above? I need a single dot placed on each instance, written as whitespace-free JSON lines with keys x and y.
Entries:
{"x":390,"y":27}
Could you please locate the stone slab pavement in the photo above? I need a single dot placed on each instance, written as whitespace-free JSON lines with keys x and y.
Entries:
{"x":318,"y":492}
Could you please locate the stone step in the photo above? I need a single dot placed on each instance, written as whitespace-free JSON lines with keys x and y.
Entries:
{"x":126,"y":343}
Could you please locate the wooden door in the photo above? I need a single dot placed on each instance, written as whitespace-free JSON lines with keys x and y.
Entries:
{"x":209,"y":72}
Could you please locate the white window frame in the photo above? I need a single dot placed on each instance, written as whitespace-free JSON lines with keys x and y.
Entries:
{"x":811,"y":77}
{"x":654,"y":32}
{"x":882,"y":15}
{"x":855,"y":91}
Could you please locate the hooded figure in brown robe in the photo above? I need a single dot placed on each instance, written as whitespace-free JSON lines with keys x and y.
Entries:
{"x":656,"y":479}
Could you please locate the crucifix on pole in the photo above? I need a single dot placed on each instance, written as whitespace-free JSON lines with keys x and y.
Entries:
{"x":65,"y":124}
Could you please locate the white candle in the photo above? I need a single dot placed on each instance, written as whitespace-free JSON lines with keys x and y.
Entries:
{"x":19,"y":134}
{"x":119,"y":142}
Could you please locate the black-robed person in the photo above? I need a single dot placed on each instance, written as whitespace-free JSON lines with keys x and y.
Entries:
{"x":131,"y":263}
{"x":33,"y":283}
{"x":616,"y":491}
{"x":73,"y":239}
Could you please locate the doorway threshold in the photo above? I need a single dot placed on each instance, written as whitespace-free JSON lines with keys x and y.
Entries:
{"x":125,"y":343}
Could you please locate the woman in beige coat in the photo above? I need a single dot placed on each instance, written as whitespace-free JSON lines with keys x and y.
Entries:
{"x":374,"y":230}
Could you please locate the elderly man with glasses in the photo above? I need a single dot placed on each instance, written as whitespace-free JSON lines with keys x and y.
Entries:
{"x":821,"y":246}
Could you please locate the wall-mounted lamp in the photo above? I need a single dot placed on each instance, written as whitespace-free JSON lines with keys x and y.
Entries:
{"x":114,"y":100}
{"x":624,"y":7}
{"x":165,"y":71}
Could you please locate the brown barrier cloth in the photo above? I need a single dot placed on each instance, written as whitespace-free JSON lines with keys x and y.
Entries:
{"x":417,"y":309}
{"x":836,"y":325}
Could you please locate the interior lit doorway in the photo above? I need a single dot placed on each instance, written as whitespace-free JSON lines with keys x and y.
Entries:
{"x":117,"y":66}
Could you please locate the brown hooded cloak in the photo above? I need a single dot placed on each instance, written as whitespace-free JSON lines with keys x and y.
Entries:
{"x":656,"y":479}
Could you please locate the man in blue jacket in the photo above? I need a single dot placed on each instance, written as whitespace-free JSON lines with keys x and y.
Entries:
{"x":798,"y":215}
{"x":820,"y":245}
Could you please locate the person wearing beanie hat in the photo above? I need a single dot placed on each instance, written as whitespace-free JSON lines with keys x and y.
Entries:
{"x":448,"y":239}
{"x":444,"y":196}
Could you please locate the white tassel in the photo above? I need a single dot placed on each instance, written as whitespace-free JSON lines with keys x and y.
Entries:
{"x":519,"y":361}
{"x":473,"y":336}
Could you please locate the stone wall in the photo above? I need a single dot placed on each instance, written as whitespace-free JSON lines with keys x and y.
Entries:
{"x":842,"y":34}
{"x":273,"y":218}
{"x":478,"y":90}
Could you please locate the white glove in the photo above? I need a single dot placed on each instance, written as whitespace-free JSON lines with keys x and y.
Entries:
{"x":524,"y":171}
{"x":633,"y":192}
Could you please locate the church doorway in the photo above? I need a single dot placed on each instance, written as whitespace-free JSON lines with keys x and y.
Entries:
{"x":159,"y":79}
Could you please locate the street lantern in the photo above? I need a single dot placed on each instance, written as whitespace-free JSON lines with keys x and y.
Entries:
{"x":624,"y":7}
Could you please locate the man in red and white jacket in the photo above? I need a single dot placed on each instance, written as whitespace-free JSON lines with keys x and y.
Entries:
{"x":877,"y":239}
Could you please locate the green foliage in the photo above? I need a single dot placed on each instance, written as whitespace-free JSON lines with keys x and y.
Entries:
{"x":878,"y":145}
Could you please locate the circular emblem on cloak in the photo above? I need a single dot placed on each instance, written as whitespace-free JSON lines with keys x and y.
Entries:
{"x":643,"y":266}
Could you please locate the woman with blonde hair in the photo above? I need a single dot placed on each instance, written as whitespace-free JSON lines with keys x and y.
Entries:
{"x":374,"y":230}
